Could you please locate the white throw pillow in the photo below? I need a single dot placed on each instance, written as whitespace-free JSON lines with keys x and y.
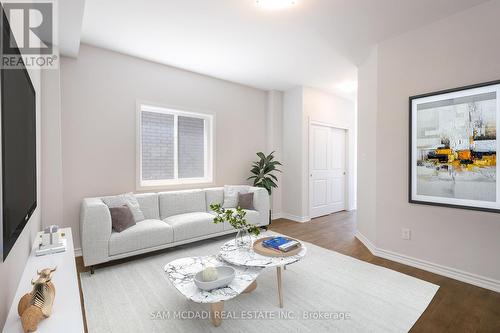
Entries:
{"x":231,"y":195}
{"x":127,"y":199}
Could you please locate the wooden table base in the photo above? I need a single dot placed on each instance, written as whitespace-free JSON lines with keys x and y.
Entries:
{"x":217,"y":308}
{"x":251,"y":287}
{"x":280,"y":292}
{"x":216,"y":313}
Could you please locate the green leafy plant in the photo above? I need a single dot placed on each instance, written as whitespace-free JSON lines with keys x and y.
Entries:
{"x":262,"y":171}
{"x":235,"y":218}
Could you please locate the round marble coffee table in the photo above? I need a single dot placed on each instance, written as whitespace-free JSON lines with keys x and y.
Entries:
{"x":246,"y":257}
{"x":181,"y":274}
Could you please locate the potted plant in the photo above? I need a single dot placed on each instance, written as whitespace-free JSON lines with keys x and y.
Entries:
{"x":263,"y":173}
{"x":236,"y":219}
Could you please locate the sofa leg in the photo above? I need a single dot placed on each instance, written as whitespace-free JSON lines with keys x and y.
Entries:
{"x":91,"y":270}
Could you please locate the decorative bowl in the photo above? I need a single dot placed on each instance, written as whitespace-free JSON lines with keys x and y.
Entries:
{"x":225,"y":276}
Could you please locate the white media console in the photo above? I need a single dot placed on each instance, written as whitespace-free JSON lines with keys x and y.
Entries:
{"x":67,"y":313}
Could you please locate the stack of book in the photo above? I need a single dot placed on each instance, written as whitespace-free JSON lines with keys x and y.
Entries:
{"x":281,"y":244}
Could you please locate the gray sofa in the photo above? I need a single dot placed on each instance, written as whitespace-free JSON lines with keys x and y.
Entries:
{"x":171,"y":218}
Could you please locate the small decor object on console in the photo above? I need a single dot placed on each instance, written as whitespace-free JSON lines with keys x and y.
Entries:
{"x":51,"y":242}
{"x":37,"y":305}
{"x":237,"y":221}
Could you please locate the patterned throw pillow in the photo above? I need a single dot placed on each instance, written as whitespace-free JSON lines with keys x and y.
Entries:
{"x":231,"y":195}
{"x":128,"y":200}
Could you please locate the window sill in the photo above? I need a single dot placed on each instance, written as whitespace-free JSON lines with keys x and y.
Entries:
{"x":175,"y":184}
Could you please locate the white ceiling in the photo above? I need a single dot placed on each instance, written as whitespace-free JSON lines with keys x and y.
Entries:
{"x":315,"y":43}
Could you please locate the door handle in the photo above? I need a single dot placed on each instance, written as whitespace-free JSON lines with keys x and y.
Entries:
{"x":343,"y":173}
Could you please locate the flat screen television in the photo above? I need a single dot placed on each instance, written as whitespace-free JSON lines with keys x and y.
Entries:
{"x":18,"y":142}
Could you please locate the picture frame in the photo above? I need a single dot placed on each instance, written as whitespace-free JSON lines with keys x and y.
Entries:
{"x":453,"y":146}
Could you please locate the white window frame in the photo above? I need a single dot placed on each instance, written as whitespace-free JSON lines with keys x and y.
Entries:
{"x":208,"y":141}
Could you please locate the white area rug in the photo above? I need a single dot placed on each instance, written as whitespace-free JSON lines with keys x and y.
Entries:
{"x":326,"y":291}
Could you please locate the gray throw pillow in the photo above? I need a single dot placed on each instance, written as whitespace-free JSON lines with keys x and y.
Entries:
{"x":245,"y":201}
{"x":127,"y":199}
{"x":231,"y":195}
{"x":121,"y":218}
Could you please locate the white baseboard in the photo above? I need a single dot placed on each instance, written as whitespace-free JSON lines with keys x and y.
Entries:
{"x":276,"y":215}
{"x":474,"y":279}
{"x":366,"y":242}
{"x":78,"y":252}
{"x":295,"y":218}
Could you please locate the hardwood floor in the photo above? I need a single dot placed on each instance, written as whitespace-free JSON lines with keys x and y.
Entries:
{"x":457,"y":306}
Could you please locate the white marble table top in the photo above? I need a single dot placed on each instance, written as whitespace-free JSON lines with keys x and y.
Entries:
{"x":181,"y":273}
{"x":246,"y":257}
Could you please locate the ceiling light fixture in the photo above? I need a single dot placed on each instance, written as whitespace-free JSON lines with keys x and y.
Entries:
{"x":275,"y":4}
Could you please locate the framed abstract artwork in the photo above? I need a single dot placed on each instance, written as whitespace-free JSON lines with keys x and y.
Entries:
{"x":453,"y":147}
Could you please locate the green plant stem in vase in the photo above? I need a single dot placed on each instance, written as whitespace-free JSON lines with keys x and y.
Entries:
{"x":236,"y":218}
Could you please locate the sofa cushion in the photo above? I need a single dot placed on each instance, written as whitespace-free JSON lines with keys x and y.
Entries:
{"x":125,"y":199}
{"x":214,"y":196}
{"x":245,"y":201}
{"x":121,"y":218}
{"x":181,"y":202}
{"x":231,"y":194}
{"x":149,"y":205}
{"x":143,"y":235}
{"x":192,"y":225}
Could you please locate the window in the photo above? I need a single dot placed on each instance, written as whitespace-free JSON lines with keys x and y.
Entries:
{"x":175,"y":147}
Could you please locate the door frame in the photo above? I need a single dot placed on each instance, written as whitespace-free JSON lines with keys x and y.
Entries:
{"x":347,"y":182}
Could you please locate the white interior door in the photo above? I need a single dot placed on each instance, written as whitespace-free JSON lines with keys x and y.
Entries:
{"x":327,"y":169}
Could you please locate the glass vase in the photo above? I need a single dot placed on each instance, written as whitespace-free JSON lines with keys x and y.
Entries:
{"x":243,"y":238}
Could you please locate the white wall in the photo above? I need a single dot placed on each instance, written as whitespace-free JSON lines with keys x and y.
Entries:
{"x":367,"y":145}
{"x":292,"y":198}
{"x":99,"y":92}
{"x":275,"y":143}
{"x":12,"y":268}
{"x":456,"y":51}
{"x":52,"y":172}
{"x":301,"y":105}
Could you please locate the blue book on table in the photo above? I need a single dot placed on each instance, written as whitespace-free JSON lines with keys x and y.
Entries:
{"x":275,"y":242}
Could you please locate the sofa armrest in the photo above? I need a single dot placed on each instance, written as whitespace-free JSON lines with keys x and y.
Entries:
{"x":261,"y":204}
{"x":95,"y":231}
